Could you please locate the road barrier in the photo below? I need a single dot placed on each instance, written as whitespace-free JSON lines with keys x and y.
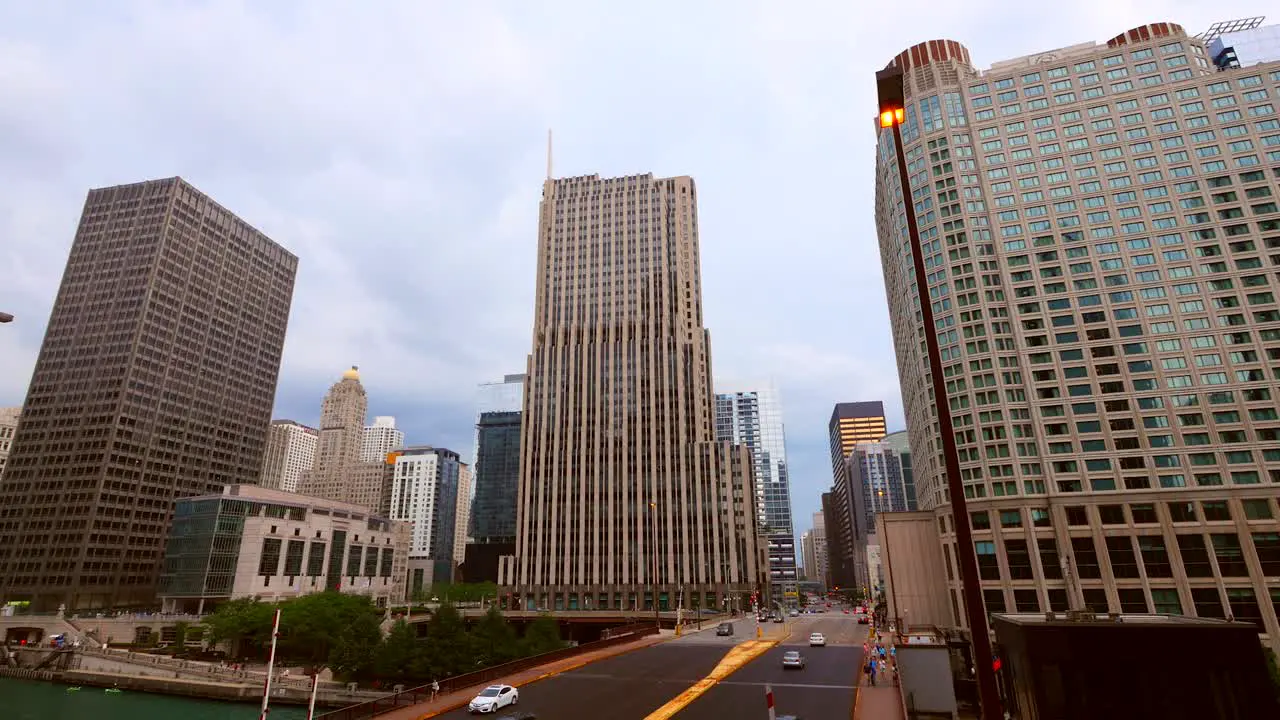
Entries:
{"x":423,"y":693}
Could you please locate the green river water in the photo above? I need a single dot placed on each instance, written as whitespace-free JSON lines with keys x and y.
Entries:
{"x":29,"y":700}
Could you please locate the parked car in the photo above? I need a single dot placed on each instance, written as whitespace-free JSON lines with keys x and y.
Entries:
{"x":792,"y":659}
{"x":724,"y":629}
{"x":817,"y":640}
{"x":494,"y":698}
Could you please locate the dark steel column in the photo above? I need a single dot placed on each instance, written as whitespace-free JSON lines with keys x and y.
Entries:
{"x":889,"y":84}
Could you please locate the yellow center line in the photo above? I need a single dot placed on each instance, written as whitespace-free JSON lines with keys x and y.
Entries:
{"x":739,"y":656}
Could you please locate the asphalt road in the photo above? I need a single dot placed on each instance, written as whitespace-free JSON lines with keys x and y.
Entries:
{"x":824,"y":689}
{"x":624,"y":687}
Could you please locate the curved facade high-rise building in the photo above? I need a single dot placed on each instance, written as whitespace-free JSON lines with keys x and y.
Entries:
{"x":624,"y":494}
{"x":1099,"y":229}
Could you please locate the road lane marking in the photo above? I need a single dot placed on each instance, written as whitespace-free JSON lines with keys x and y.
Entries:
{"x":739,"y":656}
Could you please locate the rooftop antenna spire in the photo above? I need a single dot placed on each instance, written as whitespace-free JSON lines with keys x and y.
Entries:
{"x":548,"y":153}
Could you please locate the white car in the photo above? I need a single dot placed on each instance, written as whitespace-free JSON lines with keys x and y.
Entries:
{"x":817,"y":640}
{"x":493,"y":698}
{"x":792,"y":659}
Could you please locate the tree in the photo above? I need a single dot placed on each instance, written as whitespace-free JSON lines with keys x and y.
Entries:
{"x":245,"y":624}
{"x":355,"y":652}
{"x":451,"y":650}
{"x":542,"y":636}
{"x":310,"y":625}
{"x":180,"y":631}
{"x":494,"y":640}
{"x":400,"y":657}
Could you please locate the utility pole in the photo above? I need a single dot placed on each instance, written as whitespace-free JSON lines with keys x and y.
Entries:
{"x":892,"y":97}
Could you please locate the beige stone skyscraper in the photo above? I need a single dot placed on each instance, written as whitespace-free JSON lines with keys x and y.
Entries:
{"x":1101,"y":237}
{"x":618,"y":444}
{"x":338,"y":473}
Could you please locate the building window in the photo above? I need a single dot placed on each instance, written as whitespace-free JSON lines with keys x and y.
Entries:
{"x":269,"y":561}
{"x":1124,"y":564}
{"x":988,"y":565}
{"x":1086,"y":556}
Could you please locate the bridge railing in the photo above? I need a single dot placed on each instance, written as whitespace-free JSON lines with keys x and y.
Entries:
{"x":413,"y":696}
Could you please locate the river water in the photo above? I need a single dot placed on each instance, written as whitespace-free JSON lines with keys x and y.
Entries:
{"x":30,"y":700}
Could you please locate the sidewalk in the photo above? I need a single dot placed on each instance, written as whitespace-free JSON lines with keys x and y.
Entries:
{"x":882,"y":701}
{"x":460,"y":698}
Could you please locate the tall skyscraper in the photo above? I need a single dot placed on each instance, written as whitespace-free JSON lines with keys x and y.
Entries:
{"x":497,"y":470}
{"x":618,"y":444}
{"x":1099,"y":224}
{"x":425,"y":491}
{"x":874,"y":484}
{"x":820,"y":570}
{"x":852,"y":423}
{"x":379,"y":439}
{"x":155,"y":381}
{"x":339,"y":472}
{"x":290,"y":452}
{"x":8,"y":426}
{"x":753,"y":418}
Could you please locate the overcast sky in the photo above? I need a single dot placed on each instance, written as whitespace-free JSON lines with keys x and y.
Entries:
{"x":398,"y":148}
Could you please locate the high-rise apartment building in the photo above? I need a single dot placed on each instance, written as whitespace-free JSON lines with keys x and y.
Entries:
{"x":462,"y":513}
{"x":290,"y":452}
{"x":380,"y":439}
{"x":1100,"y":228}
{"x":753,"y":418}
{"x":425,"y":491}
{"x":155,"y":381}
{"x":624,"y":494}
{"x":497,"y":467}
{"x":8,"y":426}
{"x":874,"y":483}
{"x":339,"y":472}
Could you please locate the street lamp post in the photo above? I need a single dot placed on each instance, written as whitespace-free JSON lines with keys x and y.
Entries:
{"x":892,"y":97}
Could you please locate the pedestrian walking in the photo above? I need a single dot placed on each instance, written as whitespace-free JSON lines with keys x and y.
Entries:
{"x":871,"y":672}
{"x":435,"y":689}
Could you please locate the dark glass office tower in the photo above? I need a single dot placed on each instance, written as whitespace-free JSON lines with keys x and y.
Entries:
{"x":497,"y":475}
{"x":155,"y":381}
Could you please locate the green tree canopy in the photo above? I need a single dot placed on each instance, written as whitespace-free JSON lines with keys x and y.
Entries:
{"x":450,"y":645}
{"x":355,"y":652}
{"x":402,"y":657}
{"x":311,"y":624}
{"x":245,"y":624}
{"x":542,"y":636}
{"x":494,"y":640}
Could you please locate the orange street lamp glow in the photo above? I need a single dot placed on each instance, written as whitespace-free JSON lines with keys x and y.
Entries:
{"x":889,"y":118}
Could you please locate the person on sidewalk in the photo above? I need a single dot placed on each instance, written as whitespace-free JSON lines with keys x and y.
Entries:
{"x":871,"y":672}
{"x":435,"y":690}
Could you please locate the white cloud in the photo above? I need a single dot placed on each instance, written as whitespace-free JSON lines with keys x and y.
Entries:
{"x":398,"y":149}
